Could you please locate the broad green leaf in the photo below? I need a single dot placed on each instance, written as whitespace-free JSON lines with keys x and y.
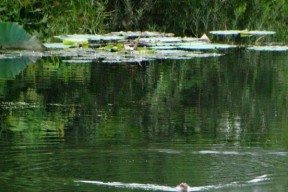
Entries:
{"x":13,"y":36}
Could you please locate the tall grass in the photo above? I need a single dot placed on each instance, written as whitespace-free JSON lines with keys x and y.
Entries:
{"x":185,"y":17}
{"x":52,"y":17}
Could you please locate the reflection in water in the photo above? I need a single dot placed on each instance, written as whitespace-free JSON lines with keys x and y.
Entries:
{"x":231,"y":128}
{"x":210,"y":122}
{"x":10,"y":67}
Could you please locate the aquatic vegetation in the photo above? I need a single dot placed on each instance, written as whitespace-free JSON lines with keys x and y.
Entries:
{"x":89,"y":37}
{"x":206,"y":46}
{"x":243,"y":32}
{"x":71,"y":41}
{"x":136,"y":47}
{"x":240,"y":36}
{"x":268,"y":48}
{"x":135,"y":34}
{"x":47,"y":18}
{"x":13,"y":36}
{"x":57,"y":46}
{"x":127,"y":47}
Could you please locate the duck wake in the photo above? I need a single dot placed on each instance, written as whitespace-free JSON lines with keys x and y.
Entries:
{"x":154,"y":187}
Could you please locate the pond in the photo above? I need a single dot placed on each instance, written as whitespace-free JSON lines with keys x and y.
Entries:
{"x":217,"y":123}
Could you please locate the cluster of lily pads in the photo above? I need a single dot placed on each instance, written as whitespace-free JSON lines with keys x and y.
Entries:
{"x":130,"y":47}
{"x":123,"y":47}
{"x":137,"y":47}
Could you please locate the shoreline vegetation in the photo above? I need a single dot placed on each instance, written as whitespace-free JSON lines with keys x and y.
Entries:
{"x":45,"y":19}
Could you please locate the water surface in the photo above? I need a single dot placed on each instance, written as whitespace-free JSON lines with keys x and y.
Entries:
{"x":219,"y":124}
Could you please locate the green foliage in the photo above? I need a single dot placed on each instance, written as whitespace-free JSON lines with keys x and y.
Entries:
{"x":195,"y":17}
{"x":130,"y":15}
{"x":189,"y":17}
{"x":48,"y":18}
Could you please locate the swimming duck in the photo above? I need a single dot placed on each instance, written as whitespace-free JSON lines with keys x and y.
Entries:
{"x":183,"y":187}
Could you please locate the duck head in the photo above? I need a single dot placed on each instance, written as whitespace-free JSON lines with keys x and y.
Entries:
{"x":183,"y":187}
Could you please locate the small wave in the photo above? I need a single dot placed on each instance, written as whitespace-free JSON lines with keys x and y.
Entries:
{"x":215,"y":152}
{"x":225,"y":152}
{"x":170,"y":151}
{"x":209,"y":152}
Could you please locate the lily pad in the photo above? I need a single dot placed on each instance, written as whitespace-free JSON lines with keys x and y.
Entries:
{"x":167,"y":40}
{"x":135,"y":34}
{"x":226,"y":32}
{"x":75,"y":41}
{"x":90,"y":38}
{"x":206,"y":46}
{"x":56,"y":46}
{"x":242,"y":32}
{"x":259,"y":33}
{"x":134,"y":57}
{"x":269,"y":48}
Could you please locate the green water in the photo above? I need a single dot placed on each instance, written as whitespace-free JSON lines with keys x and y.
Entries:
{"x":219,"y":124}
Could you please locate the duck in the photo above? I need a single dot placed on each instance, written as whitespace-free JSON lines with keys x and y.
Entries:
{"x":183,"y":187}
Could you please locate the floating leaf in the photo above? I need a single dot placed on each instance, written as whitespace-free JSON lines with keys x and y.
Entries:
{"x":75,"y":41}
{"x":206,"y":46}
{"x":144,"y":50}
{"x":91,"y":38}
{"x":135,"y":34}
{"x":269,"y":48}
{"x":260,"y":33}
{"x":242,"y":32}
{"x":56,"y":46}
{"x":226,"y":32}
{"x":14,"y":36}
